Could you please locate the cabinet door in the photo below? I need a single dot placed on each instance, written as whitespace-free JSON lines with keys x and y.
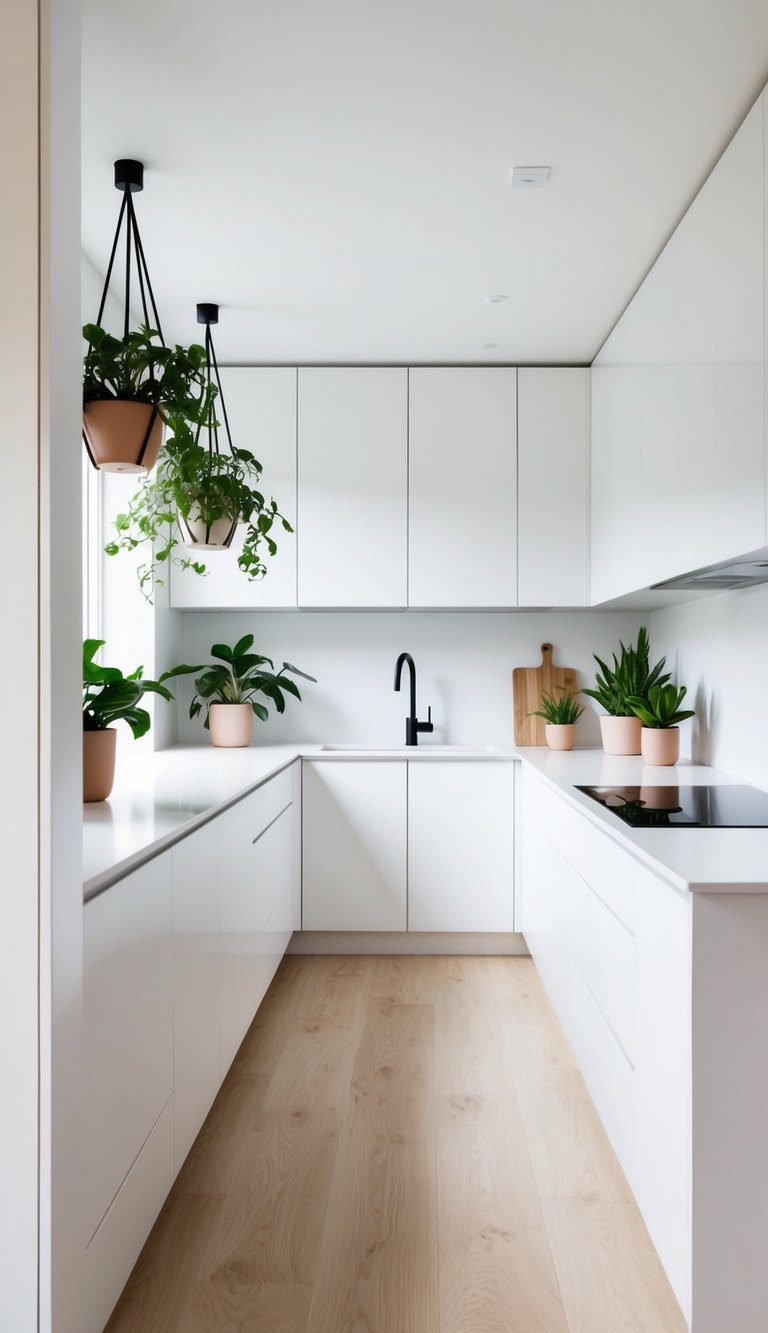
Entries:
{"x":694,"y":491}
{"x":460,"y":846}
{"x":261,"y":407}
{"x":739,"y":342}
{"x":353,"y":445}
{"x":196,"y":1075}
{"x":600,"y":477}
{"x":127,"y":1026}
{"x":274,"y":879}
{"x":237,"y":927}
{"x":553,"y":487}
{"x":354,"y":820}
{"x":462,"y":487}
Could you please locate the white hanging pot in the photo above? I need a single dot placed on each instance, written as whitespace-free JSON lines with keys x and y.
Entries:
{"x":202,"y":536}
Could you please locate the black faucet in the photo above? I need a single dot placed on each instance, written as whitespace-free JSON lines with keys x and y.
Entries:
{"x":412,"y":724}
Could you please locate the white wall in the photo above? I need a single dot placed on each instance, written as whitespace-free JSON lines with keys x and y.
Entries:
{"x":464,"y":664}
{"x":718,"y":646}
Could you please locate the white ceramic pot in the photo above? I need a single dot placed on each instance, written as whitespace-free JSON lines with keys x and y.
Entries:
{"x":660,"y":746}
{"x":621,"y":735}
{"x":98,"y":763}
{"x":231,"y":725}
{"x":560,"y":736}
{"x":200,"y":536}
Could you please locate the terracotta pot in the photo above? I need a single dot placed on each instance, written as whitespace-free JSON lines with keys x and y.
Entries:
{"x":98,"y":763}
{"x":231,"y":724}
{"x":560,"y":735}
{"x":621,"y":735}
{"x":115,"y":429}
{"x":215,"y":536}
{"x":660,"y":745}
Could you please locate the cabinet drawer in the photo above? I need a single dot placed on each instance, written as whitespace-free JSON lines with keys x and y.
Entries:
{"x":606,"y":867}
{"x":269,"y":800}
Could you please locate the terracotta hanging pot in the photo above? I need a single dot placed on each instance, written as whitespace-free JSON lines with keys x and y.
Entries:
{"x":560,"y":736}
{"x":621,"y":735}
{"x":122,"y":435}
{"x":202,"y":536}
{"x":98,"y":763}
{"x":660,"y":745}
{"x":231,"y":725}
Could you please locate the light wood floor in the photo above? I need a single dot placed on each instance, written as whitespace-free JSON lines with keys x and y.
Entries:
{"x":403,"y":1145}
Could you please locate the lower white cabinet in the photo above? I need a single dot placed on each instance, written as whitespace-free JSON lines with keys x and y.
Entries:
{"x":237,"y":928}
{"x":461,"y":846}
{"x":393,"y":845}
{"x":354,"y":819}
{"x":196,"y":1075}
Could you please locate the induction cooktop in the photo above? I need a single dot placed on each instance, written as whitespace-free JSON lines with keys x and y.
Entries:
{"x":721,"y":806}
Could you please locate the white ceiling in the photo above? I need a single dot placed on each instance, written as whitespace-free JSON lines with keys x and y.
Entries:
{"x":335,"y":172}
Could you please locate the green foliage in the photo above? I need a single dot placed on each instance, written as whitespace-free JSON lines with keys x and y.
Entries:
{"x":109,"y":696}
{"x":558,"y":712}
{"x":138,"y":367}
{"x":630,"y":677}
{"x":661,"y":706}
{"x":189,"y":481}
{"x":237,"y":677}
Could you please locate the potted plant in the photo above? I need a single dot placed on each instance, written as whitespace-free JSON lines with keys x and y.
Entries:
{"x":132,"y":387}
{"x":660,"y":713}
{"x":108,"y":697}
{"x":630,"y":676}
{"x":561,"y":716}
{"x":228,"y":690}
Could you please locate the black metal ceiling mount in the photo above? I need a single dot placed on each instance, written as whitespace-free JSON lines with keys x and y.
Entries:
{"x":208,"y":314}
{"x":129,"y":179}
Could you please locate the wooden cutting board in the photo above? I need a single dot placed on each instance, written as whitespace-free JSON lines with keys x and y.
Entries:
{"x":528,"y":685}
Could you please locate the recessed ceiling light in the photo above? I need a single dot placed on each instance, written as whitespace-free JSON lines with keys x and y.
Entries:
{"x":488,"y":346}
{"x":528,"y":178}
{"x":497,"y":298}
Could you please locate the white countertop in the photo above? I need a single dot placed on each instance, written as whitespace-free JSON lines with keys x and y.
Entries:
{"x":160,"y":797}
{"x":705,"y":860}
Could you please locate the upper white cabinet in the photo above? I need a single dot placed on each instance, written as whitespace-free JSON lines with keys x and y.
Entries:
{"x":553,"y":486}
{"x":678,"y":401}
{"x":261,"y":407}
{"x":352,"y":487}
{"x":354,"y":817}
{"x":463,"y":487}
{"x":461,"y":846}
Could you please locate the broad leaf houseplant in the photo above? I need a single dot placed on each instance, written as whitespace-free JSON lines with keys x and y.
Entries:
{"x":660,"y":713}
{"x":237,"y":687}
{"x":109,"y":697}
{"x":631,"y":676}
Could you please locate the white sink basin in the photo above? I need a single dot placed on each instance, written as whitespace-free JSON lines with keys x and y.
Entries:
{"x":425,"y":750}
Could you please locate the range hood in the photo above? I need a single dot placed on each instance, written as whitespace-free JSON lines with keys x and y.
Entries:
{"x":744,"y":572}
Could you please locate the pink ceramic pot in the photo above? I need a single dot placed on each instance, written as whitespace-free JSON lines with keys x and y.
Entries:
{"x":560,"y":736}
{"x":98,"y":763}
{"x":660,"y":745}
{"x":621,"y":735}
{"x":115,"y":429}
{"x":231,"y":724}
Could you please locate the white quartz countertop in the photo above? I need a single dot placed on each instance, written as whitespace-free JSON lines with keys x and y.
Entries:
{"x":706,"y":860}
{"x":160,"y":797}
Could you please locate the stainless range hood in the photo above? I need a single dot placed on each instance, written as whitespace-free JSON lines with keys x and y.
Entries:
{"x":745,"y":572}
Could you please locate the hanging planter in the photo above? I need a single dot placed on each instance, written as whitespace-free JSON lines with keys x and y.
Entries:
{"x":203,"y":493}
{"x":131,"y":384}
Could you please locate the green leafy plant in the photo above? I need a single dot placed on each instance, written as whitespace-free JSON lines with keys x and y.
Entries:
{"x":139,"y":368}
{"x":109,"y":696}
{"x":558,"y":712}
{"x":630,"y":677}
{"x":238,"y":677}
{"x":661,"y":706}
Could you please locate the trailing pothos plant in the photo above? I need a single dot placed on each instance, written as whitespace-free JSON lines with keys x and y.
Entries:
{"x":141,"y":369}
{"x":109,"y":696}
{"x":237,"y":677}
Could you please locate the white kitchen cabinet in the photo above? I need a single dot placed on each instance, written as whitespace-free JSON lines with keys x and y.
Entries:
{"x":694,"y":490}
{"x":553,"y":486}
{"x":352,"y":487}
{"x":237,"y":927}
{"x":460,"y":846}
{"x":196,"y":1073}
{"x":462,"y":487}
{"x":261,"y":407}
{"x":274,"y":880}
{"x":354,"y":858}
{"x":600,"y":573}
{"x":127,"y":1028}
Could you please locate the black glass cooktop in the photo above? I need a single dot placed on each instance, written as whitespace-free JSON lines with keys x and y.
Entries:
{"x":724,"y":806}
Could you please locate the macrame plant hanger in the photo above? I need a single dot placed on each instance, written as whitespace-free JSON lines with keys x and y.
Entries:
{"x":129,"y":178}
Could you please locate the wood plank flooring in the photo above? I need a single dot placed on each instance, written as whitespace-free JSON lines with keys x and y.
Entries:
{"x":402,"y":1145}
